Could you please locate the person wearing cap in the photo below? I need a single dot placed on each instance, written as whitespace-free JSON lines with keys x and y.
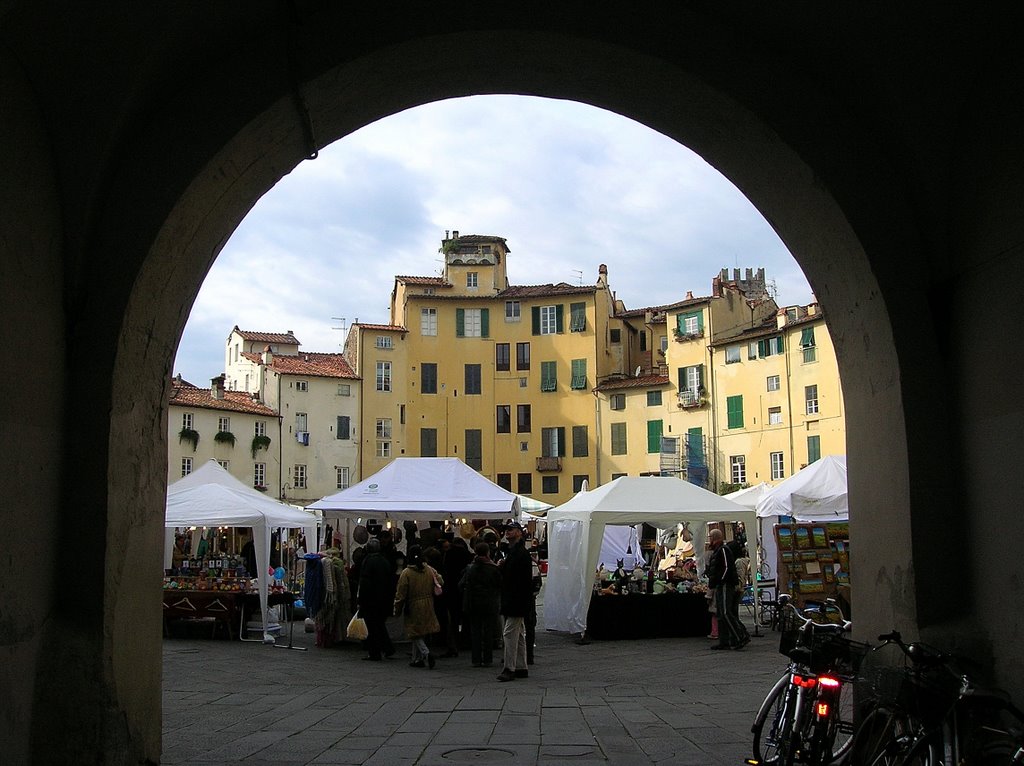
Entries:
{"x":516,"y":596}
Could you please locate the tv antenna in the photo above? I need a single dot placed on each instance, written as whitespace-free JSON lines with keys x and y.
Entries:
{"x":579,"y":276}
{"x":341,"y":321}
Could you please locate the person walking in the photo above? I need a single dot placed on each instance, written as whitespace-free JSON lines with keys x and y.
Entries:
{"x":375,"y":598}
{"x":516,"y":594}
{"x":481,"y":602}
{"x":722,"y":578}
{"x":456,"y":558}
{"x":414,"y":600}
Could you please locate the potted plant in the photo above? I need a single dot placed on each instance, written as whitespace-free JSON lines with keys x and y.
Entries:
{"x":258,"y":443}
{"x":224,"y":437}
{"x":189,"y":435}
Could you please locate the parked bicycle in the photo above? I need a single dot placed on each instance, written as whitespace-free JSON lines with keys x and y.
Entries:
{"x":807,"y":717}
{"x":925,"y":711}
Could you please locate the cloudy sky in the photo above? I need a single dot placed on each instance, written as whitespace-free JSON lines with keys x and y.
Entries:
{"x":568,"y":186}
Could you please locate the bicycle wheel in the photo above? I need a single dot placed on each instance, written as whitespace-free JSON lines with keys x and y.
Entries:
{"x":889,"y":738}
{"x":841,"y":726}
{"x":773,"y":725}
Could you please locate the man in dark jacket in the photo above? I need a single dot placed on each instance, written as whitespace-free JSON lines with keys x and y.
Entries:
{"x":516,"y":597}
{"x":456,"y":559}
{"x":722,"y":580}
{"x":376,"y":600}
{"x":481,"y":602}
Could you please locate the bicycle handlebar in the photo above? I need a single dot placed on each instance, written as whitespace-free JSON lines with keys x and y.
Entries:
{"x":919,"y":654}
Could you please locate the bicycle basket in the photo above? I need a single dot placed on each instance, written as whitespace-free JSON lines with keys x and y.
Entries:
{"x":928,"y":694}
{"x":790,"y":627}
{"x":837,"y":653}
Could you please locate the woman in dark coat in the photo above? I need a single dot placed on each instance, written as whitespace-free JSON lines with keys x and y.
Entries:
{"x":481,"y":601}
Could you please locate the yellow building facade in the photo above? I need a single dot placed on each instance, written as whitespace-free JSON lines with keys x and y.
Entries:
{"x":498,"y":375}
{"x":659,"y":420}
{"x":778,"y":403}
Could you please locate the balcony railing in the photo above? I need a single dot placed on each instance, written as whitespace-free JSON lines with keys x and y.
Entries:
{"x":689,"y":398}
{"x":549,"y":464}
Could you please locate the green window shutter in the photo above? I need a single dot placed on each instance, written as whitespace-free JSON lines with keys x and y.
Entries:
{"x":580,"y":441}
{"x":428,"y":442}
{"x":460,"y":323}
{"x":734,"y":408}
{"x":561,"y":440}
{"x":700,"y":377}
{"x":813,"y":449}
{"x":762,"y":349}
{"x":700,"y":321}
{"x":535,"y":316}
{"x":559,"y":319}
{"x":807,"y":337}
{"x":485,"y":323}
{"x":579,"y":373}
{"x":578,"y":317}
{"x":653,"y":436}
{"x":681,"y":373}
{"x":694,"y":447}
{"x":548,"y":376}
{"x":779,"y":348}
{"x":618,"y":438}
{"x":343,"y":427}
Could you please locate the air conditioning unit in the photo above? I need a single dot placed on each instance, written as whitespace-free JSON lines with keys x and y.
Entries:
{"x":302,"y":437}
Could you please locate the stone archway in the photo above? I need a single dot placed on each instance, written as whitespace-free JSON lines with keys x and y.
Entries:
{"x":135,"y":214}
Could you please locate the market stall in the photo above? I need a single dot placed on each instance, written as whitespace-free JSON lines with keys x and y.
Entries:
{"x":210,"y":497}
{"x":804,"y":530}
{"x":576,"y":533}
{"x":421,"y":489}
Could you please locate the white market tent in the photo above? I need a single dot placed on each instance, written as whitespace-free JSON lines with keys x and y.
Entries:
{"x":815,"y":493}
{"x":211,"y":497}
{"x":576,"y":532}
{"x":422,"y":489}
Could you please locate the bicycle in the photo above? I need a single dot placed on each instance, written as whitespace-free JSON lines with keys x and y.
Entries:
{"x":807,"y":717}
{"x":930,"y":713}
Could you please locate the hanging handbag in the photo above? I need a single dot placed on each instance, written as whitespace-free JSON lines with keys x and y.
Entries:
{"x":438,"y":590}
{"x":356,"y":629}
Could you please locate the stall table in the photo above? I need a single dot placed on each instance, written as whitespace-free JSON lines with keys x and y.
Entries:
{"x":662,"y":615}
{"x":219,"y":606}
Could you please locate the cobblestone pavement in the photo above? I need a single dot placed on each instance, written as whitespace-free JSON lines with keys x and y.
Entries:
{"x":612,"y":702}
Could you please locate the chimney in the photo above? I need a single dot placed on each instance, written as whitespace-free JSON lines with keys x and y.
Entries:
{"x":268,"y":356}
{"x":455,"y":234}
{"x":602,"y":275}
{"x":689,"y":295}
{"x":735,"y":275}
{"x":716,"y":286}
{"x":217,"y":387}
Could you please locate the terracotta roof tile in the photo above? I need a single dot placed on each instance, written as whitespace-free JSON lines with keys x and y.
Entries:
{"x":233,"y":401}
{"x":429,"y":281}
{"x":267,"y":337}
{"x":388,"y":327}
{"x":644,"y":381}
{"x":539,"y":291}
{"x":666,"y":308}
{"x":313,"y":364}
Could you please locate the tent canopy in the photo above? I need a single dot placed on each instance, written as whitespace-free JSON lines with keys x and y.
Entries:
{"x":814,"y":493}
{"x":210,"y":497}
{"x":422,"y":488}
{"x":750,"y":496}
{"x":576,"y":532}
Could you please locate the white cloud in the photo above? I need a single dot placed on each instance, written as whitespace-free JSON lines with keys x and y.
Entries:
{"x":569,"y":186}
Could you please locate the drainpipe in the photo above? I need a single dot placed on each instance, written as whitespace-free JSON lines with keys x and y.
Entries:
{"x":280,"y":443}
{"x":597,"y":421}
{"x":789,"y":410}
